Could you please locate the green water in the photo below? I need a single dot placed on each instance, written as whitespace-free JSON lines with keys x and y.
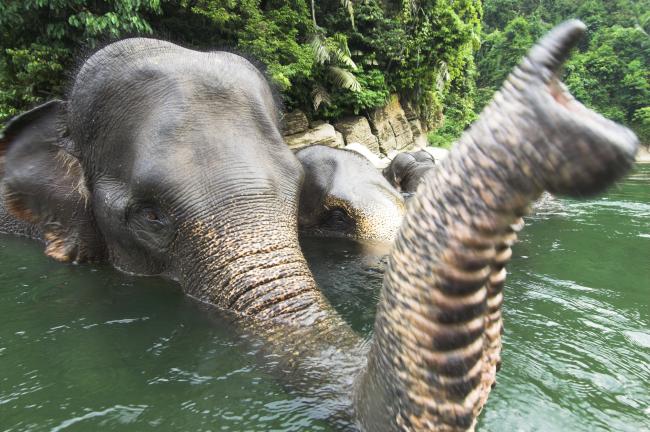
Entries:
{"x":85,"y":348}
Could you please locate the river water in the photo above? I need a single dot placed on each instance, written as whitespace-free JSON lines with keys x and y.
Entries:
{"x":87,"y":348}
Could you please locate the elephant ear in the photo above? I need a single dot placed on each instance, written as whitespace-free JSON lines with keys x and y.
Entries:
{"x":44,"y":183}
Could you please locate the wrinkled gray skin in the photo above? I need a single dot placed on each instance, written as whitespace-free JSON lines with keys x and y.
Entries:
{"x":407,"y":170}
{"x":169,"y":161}
{"x":343,"y":194}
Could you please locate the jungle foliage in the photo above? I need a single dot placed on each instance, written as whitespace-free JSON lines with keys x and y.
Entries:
{"x":338,"y":57}
{"x":610,"y":71}
{"x":327,"y":57}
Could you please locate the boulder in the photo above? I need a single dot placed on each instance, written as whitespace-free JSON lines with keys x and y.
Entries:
{"x":419,"y":134}
{"x":643,"y":155}
{"x":356,"y":129}
{"x":321,"y":133}
{"x":294,"y":123}
{"x":391,"y":154}
{"x":339,"y":139}
{"x":391,"y":127}
{"x":377,"y":161}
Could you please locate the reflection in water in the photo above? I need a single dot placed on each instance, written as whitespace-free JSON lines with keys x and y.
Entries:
{"x":83,"y":347}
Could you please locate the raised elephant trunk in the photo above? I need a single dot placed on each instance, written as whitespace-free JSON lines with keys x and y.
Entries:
{"x":438,"y":325}
{"x":438,"y":329}
{"x":228,"y":231}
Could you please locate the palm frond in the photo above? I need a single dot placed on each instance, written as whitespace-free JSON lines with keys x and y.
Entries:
{"x":339,"y":47}
{"x":344,"y":79}
{"x":341,"y":58}
{"x":341,"y":42}
{"x":319,"y":45}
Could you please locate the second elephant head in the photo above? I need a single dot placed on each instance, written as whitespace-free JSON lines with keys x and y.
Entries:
{"x":343,"y":194}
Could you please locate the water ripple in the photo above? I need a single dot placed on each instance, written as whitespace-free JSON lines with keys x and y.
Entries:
{"x":119,"y":413}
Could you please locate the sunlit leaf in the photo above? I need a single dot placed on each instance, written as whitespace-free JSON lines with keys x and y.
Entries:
{"x":321,"y":52}
{"x":344,"y":79}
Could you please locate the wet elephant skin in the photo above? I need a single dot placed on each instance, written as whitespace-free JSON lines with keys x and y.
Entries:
{"x":169,"y":161}
{"x":343,"y":194}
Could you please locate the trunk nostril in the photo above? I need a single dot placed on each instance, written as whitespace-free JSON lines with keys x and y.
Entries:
{"x":560,"y":95}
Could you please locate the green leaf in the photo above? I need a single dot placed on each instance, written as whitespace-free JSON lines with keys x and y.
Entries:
{"x":344,"y":79}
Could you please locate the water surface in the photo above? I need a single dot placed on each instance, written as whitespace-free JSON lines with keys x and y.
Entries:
{"x":87,"y":348}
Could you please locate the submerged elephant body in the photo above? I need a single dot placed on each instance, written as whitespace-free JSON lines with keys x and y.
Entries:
{"x":344,"y":194}
{"x":170,"y":161}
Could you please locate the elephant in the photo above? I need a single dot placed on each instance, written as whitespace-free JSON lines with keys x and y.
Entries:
{"x":407,"y":170}
{"x":343,"y":194}
{"x":169,"y":161}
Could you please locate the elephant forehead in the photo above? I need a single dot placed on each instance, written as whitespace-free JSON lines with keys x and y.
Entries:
{"x":145,"y":60}
{"x":363,"y":184}
{"x":175,"y":137}
{"x":164,"y":95}
{"x":143,"y":80}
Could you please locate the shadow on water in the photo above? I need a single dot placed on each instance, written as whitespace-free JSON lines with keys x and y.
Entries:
{"x":85,"y":347}
{"x":349,"y":275}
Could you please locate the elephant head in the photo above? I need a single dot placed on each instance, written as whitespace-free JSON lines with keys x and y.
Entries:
{"x":344,"y":194}
{"x":169,"y":161}
{"x":407,"y":170}
{"x":166,"y":161}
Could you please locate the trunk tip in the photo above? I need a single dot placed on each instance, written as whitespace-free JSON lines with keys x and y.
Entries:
{"x":554,"y":49}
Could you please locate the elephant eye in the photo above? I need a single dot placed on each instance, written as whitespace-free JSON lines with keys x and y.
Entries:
{"x":150,"y":226}
{"x":338,"y":219}
{"x":151,"y":215}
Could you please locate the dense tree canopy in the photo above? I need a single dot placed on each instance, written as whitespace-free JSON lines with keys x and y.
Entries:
{"x":328,"y":57}
{"x":338,"y":57}
{"x":611,"y":70}
{"x":40,"y":39}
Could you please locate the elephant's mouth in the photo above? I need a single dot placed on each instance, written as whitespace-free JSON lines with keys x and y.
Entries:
{"x":563,"y":97}
{"x":589,"y":122}
{"x":604,"y":147}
